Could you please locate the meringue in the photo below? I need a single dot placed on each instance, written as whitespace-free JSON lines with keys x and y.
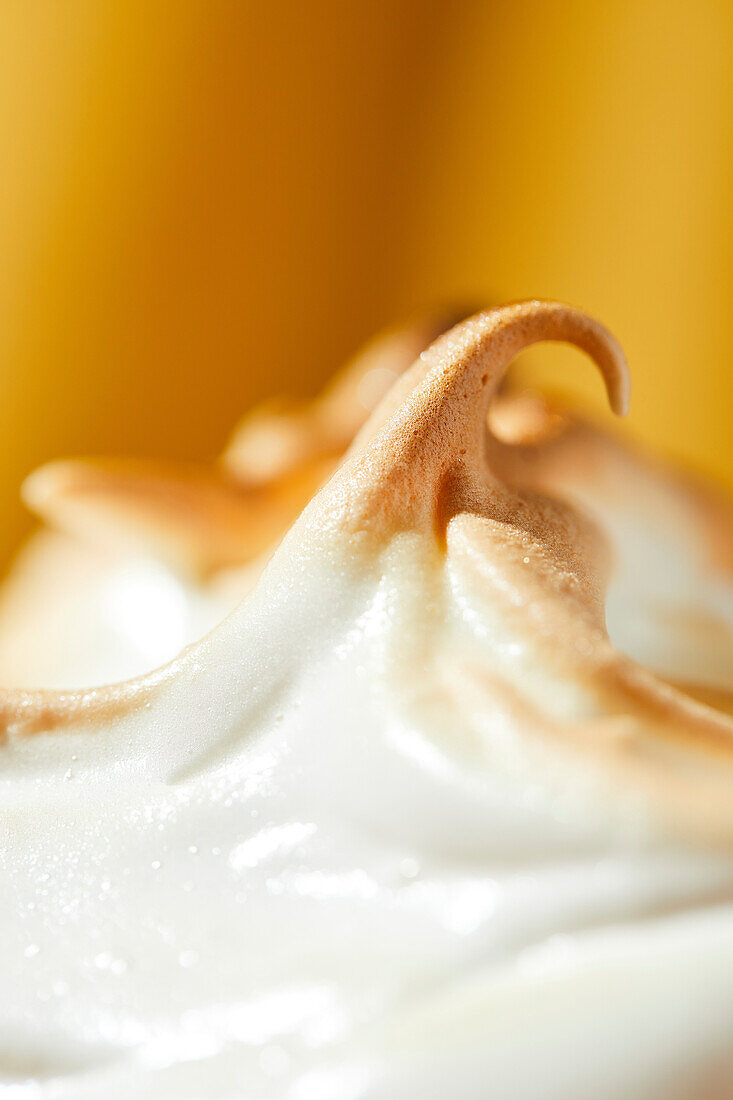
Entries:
{"x":139,"y":558}
{"x":407,"y":822}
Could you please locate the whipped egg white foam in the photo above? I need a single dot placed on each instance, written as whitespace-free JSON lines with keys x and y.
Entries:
{"x":404,"y":824}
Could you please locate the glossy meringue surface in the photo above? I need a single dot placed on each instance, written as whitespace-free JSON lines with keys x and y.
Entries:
{"x":407,"y":822}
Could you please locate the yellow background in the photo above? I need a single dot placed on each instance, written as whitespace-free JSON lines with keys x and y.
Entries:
{"x":204,"y":201}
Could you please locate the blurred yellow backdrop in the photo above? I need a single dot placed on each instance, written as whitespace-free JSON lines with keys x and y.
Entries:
{"x":203,"y":201}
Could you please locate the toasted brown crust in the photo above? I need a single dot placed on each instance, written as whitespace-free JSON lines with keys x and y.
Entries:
{"x":198,"y":519}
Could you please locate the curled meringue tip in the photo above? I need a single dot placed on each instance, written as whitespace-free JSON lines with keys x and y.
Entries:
{"x":504,"y":331}
{"x":435,"y":417}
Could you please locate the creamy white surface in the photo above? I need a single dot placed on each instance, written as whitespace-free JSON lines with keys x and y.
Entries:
{"x":75,"y":616}
{"x":339,"y":900}
{"x":667,"y":606}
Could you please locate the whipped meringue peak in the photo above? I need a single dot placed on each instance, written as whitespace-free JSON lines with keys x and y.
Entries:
{"x":138,"y":558}
{"x":408,"y":819}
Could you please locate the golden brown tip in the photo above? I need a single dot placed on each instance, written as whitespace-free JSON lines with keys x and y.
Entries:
{"x":506,"y":330}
